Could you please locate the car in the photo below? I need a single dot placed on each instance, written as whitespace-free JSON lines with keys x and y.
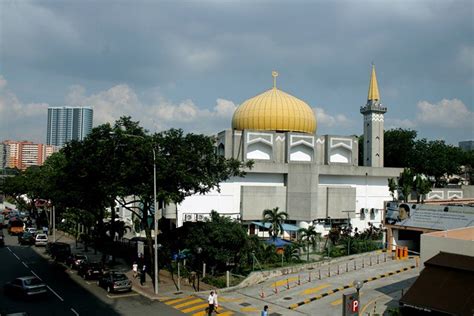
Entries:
{"x":75,"y":260}
{"x":26,"y":239}
{"x":41,"y":240}
{"x":32,"y":230}
{"x":91,"y":270}
{"x":115,"y":281}
{"x":27,"y":286}
{"x":59,"y":251}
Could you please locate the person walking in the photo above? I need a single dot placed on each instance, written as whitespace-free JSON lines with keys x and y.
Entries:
{"x":143,"y":275}
{"x":210,"y":301}
{"x":216,"y":302}
{"x":265,"y":311}
{"x":135,"y":269}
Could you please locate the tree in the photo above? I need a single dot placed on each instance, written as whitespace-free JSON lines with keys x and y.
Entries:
{"x":392,"y":187}
{"x":405,"y":183}
{"x":309,"y":236}
{"x":437,"y":159}
{"x":399,"y":148}
{"x":422,"y":186}
{"x":276,"y":218}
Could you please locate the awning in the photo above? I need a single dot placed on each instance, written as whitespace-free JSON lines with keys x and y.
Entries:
{"x":278,"y":242}
{"x":286,"y":227}
{"x":446,"y":286}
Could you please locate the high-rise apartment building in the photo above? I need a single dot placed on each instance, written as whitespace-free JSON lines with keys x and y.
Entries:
{"x":68,"y":123}
{"x":24,"y":154}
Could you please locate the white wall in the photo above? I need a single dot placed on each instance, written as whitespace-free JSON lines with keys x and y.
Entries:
{"x":227,"y":201}
{"x":371,"y":192}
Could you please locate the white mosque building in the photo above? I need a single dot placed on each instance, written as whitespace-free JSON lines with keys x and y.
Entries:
{"x":316,"y":179}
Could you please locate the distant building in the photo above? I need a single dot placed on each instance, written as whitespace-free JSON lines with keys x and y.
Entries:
{"x":467,"y":145}
{"x":23,"y":154}
{"x":68,"y":123}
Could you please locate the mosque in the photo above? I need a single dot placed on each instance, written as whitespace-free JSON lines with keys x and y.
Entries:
{"x":316,"y":179}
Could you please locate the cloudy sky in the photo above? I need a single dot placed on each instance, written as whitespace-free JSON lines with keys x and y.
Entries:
{"x":189,"y":64}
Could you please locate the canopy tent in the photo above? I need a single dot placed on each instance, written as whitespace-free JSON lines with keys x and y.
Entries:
{"x":278,"y":242}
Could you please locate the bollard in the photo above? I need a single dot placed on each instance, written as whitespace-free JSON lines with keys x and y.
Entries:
{"x":287,"y":284}
{"x":385,"y":257}
{"x":378,"y":259}
{"x":329,"y":271}
{"x":417,"y":261}
{"x":347,"y":266}
{"x":363,"y":263}
{"x":309,"y":277}
{"x":375,"y":306}
{"x":276,"y":289}
{"x":299,"y":282}
{"x":370,"y":259}
{"x":337,"y":269}
{"x":320,"y":274}
{"x":355,"y":265}
{"x":262,"y":294}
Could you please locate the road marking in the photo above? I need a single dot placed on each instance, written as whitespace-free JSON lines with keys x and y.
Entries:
{"x":25,"y":265}
{"x":284,"y":282}
{"x":249,"y":309}
{"x":193,"y":308}
{"x":74,"y":311}
{"x":55,"y":293}
{"x":177,"y":300}
{"x":315,"y":289}
{"x":198,"y":300}
{"x":36,"y":275}
{"x":13,"y":253}
{"x":202,"y":313}
{"x":230,"y":299}
{"x":122,"y":295}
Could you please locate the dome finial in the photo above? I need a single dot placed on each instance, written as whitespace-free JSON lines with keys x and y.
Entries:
{"x":274,"y":75}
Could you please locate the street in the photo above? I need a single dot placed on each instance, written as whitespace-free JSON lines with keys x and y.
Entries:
{"x":68,"y":293}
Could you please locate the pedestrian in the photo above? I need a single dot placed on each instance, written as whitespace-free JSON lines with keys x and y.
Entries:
{"x":143,"y":275}
{"x":210,"y":301}
{"x":135,"y":269}
{"x":265,"y":311}
{"x":216,"y":302}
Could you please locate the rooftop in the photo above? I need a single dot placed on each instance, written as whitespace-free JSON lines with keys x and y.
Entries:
{"x":460,"y":233}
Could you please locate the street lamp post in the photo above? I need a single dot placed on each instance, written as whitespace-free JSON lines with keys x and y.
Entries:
{"x":198,"y":250}
{"x":358,"y":285}
{"x":156,"y":215}
{"x":156,"y":218}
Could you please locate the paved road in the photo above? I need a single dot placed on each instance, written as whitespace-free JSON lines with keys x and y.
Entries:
{"x":69,"y":294}
{"x":286,"y":296}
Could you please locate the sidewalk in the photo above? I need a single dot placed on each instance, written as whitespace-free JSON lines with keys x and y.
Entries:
{"x":166,"y":289}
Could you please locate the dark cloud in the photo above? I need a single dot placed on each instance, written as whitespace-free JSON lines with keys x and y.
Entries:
{"x":206,"y":50}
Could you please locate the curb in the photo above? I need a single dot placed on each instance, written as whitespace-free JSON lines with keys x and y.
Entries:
{"x":342,"y":288}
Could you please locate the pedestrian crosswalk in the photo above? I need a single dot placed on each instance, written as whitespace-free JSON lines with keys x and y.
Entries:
{"x":194,"y":306}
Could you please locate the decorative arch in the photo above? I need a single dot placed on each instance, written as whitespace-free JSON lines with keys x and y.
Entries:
{"x":301,"y":152}
{"x":259,"y":151}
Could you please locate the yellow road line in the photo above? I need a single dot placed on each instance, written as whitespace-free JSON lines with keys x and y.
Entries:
{"x":249,"y":309}
{"x":336,"y":302}
{"x":177,"y":300}
{"x":193,"y":308}
{"x":283,"y":282}
{"x":202,"y":313}
{"x":226,"y":313}
{"x":229,"y":299}
{"x":198,"y":300}
{"x":315,"y":289}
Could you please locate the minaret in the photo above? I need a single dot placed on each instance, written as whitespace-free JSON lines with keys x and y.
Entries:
{"x":373,"y":125}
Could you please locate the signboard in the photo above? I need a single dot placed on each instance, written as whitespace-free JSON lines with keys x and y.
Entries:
{"x":350,"y":304}
{"x":436,"y":217}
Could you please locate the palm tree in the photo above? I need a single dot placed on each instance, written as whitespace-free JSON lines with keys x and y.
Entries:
{"x":276,"y":218}
{"x":309,"y":236}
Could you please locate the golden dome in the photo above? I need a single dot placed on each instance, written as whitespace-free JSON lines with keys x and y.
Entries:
{"x":275,"y":110}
